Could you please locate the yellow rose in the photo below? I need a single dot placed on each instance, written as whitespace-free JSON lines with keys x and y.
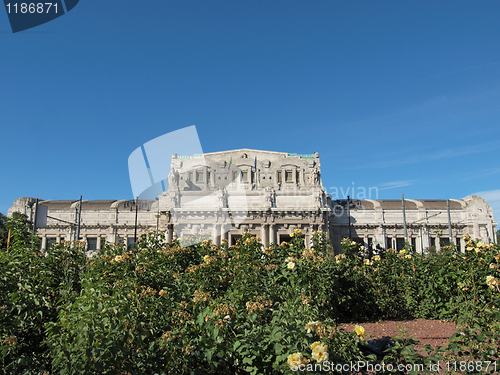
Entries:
{"x":295,"y":360}
{"x":360,"y":331}
{"x":492,"y":281}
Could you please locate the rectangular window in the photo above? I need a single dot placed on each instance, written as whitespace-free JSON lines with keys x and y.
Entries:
{"x":445,"y":241}
{"x":244,"y":176}
{"x":414,"y":243}
{"x":298,"y":176}
{"x":284,"y":238}
{"x":288,"y":176}
{"x":235,"y":238}
{"x":279,"y":177}
{"x":400,"y":243}
{"x":433,"y":241}
{"x":370,"y":243}
{"x":359,"y":241}
{"x":91,"y":243}
{"x":459,"y":244}
{"x":388,"y":243}
{"x":199,"y":176}
{"x":51,"y":241}
{"x":130,"y":243}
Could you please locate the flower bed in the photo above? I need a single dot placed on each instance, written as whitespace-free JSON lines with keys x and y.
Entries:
{"x":165,"y":309}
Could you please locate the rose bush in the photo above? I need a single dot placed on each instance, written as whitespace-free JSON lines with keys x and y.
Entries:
{"x":248,"y":308}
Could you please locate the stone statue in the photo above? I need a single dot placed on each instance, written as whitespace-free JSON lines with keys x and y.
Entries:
{"x":319,"y":199}
{"x":314,"y":177}
{"x":270,"y":197}
{"x":222,"y":195}
{"x":174,"y":199}
{"x":172,"y":178}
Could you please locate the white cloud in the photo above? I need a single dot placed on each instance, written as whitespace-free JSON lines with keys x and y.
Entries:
{"x":493,"y":199}
{"x":434,"y":156}
{"x":395,"y":184}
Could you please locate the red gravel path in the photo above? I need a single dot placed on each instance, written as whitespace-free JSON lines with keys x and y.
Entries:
{"x":432,"y":332}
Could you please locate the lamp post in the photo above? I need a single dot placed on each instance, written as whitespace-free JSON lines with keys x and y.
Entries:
{"x":349,"y":214}
{"x":135,"y":226}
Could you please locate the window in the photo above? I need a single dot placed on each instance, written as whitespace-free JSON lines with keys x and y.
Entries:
{"x":414,"y":243}
{"x":400,"y":243}
{"x":235,"y":238}
{"x":91,"y":243}
{"x":433,"y":241}
{"x":244,"y":176}
{"x":359,"y":241}
{"x":459,"y":245}
{"x":288,"y":176}
{"x":51,"y":241}
{"x":130,"y":243}
{"x":388,"y":243}
{"x":445,"y":241}
{"x":298,"y":176}
{"x":279,"y":177}
{"x":284,"y":238}
{"x":199,"y":176}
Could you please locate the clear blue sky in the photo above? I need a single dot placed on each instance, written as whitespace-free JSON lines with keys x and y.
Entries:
{"x":399,"y":95}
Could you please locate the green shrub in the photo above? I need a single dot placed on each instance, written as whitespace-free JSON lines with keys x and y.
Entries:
{"x":203,"y":309}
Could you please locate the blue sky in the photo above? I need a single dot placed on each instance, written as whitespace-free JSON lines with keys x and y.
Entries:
{"x":399,"y":95}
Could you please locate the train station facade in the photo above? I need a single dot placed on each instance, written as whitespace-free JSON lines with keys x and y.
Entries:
{"x":269,"y":194}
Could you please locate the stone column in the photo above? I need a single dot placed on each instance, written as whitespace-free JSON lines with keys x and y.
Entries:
{"x":216,"y":234}
{"x":380,"y":237}
{"x":170,"y":233}
{"x":272,"y":238}
{"x":476,"y":233}
{"x":44,"y":242}
{"x":425,"y":237}
{"x":224,"y":232}
{"x":418,"y":244}
{"x":308,"y":237}
{"x":264,"y":234}
{"x":98,"y":246}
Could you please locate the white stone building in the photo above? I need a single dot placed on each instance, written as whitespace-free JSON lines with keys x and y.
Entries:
{"x":225,"y":194}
